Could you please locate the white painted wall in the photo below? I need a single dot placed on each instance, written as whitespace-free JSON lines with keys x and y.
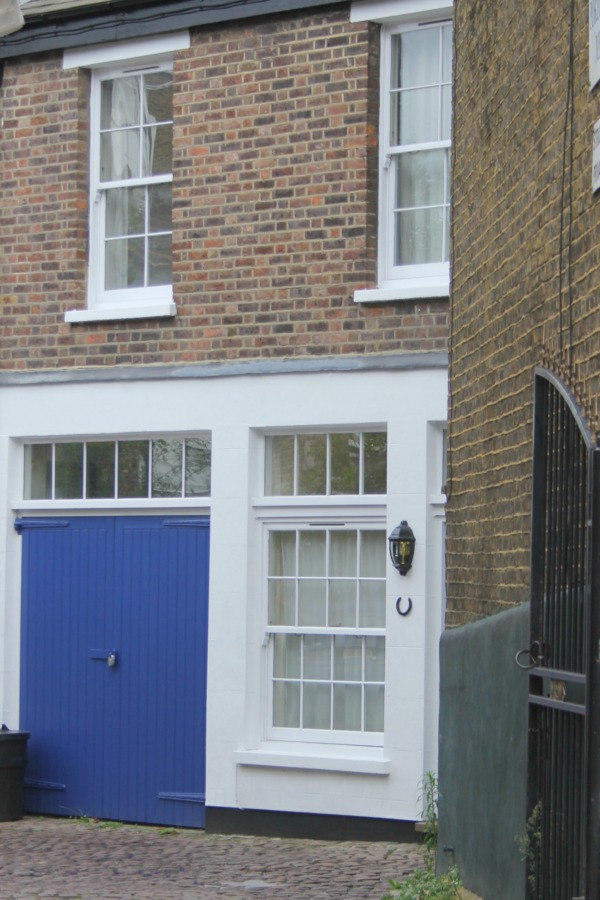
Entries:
{"x":242,"y":769}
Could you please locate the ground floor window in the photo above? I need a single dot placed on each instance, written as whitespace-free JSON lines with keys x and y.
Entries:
{"x":326,"y":632}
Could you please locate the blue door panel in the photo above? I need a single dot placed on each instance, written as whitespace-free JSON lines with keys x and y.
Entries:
{"x":123,"y":741}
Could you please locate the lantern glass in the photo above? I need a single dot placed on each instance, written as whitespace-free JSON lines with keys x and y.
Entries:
{"x":402,"y":547}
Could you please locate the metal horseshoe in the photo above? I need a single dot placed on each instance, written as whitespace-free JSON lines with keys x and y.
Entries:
{"x":400,"y":611}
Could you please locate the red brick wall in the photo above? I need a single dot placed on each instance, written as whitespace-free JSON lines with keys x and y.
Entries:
{"x":275,"y":196}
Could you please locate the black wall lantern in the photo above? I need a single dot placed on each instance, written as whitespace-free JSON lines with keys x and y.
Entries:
{"x":402,"y":547}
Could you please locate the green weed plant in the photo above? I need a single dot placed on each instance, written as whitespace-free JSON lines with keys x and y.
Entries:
{"x":423,"y":883}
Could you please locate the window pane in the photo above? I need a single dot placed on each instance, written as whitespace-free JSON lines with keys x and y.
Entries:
{"x":133,"y":468}
{"x":347,"y":658}
{"x":316,"y":710}
{"x":100,"y":470}
{"x":371,"y":604}
{"x":375,"y":659}
{"x":157,"y":150}
{"x":286,"y":655}
{"x":125,"y":211}
{"x":282,"y":602}
{"x":279,"y":465}
{"x":342,"y":604}
{"x":286,"y":704}
{"x":421,"y":179}
{"x":120,"y":155}
{"x":374,"y":697}
{"x":282,"y":553}
{"x":68,"y":471}
{"x":375,"y":463}
{"x":124,"y":263}
{"x":347,"y":707}
{"x":159,"y":202}
{"x":447,"y":53}
{"x":447,"y":233}
{"x":158,"y":94}
{"x":345,"y":463}
{"x":160,"y":260}
{"x":317,"y":657}
{"x":417,"y":57}
{"x":418,"y":116}
{"x":342,"y":553}
{"x":373,"y":545}
{"x":197,"y":467}
{"x":120,"y":102}
{"x":167,"y":458}
{"x":420,"y":236}
{"x":311,"y":602}
{"x":38,"y":472}
{"x":312,"y":463}
{"x":311,"y":555}
{"x":446,"y":112}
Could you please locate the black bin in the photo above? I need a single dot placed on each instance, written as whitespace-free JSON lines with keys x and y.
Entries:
{"x":12,"y":772}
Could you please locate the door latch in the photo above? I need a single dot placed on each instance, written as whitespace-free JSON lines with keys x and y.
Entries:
{"x":536,"y":657}
{"x":111,"y":659}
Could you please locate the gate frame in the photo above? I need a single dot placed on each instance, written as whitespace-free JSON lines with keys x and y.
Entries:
{"x":593,"y":697}
{"x":590,"y":837}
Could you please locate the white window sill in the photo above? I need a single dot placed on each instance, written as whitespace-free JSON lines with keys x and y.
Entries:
{"x":402,"y":292}
{"x":357,"y":760}
{"x":115,"y":313}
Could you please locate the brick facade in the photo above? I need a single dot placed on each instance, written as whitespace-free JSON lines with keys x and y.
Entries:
{"x":525,"y":276}
{"x":275,"y":204}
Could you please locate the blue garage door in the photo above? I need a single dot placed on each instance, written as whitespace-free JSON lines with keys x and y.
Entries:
{"x":113,"y":667}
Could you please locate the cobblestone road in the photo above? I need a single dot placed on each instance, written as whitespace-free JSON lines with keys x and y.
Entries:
{"x":64,"y":859}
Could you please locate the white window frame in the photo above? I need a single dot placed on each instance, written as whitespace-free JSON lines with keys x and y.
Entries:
{"x":350,"y":522}
{"x":105,"y":61}
{"x":300,"y":511}
{"x":431,"y":280}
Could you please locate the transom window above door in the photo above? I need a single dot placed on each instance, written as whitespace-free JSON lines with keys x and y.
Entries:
{"x":168,"y":467}
{"x":326,"y":464}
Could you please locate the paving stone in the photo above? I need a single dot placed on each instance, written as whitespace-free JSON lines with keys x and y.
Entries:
{"x":65,"y":859}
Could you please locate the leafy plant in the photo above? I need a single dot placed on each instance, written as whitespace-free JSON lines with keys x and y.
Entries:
{"x":530,"y":845}
{"x":429,"y":803}
{"x":423,"y":883}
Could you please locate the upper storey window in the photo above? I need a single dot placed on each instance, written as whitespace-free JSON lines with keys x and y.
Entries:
{"x":134,"y":175}
{"x":418,"y":151}
{"x":131,"y":175}
{"x":415,"y":145}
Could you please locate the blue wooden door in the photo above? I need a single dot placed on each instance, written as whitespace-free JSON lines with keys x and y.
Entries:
{"x":113,"y":667}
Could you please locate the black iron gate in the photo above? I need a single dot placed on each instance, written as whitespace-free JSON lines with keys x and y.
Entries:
{"x":563,"y":654}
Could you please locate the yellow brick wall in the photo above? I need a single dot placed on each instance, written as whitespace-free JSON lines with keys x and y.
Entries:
{"x":526,"y":279}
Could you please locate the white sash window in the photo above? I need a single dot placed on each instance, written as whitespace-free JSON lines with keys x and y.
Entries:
{"x":131,"y":176}
{"x":131,"y":185}
{"x":415,"y":174}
